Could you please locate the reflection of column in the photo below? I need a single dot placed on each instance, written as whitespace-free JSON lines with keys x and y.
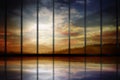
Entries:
{"x":85,"y":44}
{"x":69,"y":39}
{"x":53,"y":59}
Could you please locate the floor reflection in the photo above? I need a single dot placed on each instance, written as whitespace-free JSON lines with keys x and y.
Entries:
{"x":61,"y":70}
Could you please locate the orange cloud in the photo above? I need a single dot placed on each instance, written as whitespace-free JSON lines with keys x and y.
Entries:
{"x":107,"y":37}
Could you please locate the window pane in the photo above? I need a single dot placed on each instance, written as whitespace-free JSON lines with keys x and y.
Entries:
{"x":109,"y":68}
{"x":93,"y":27}
{"x":2,"y":69}
{"x":61,"y":26}
{"x":29,"y":26}
{"x":61,"y":68}
{"x":119,"y":70}
{"x":45,"y":68}
{"x":29,"y":68}
{"x":119,"y":26}
{"x":45,"y":26}
{"x":77,"y":27}
{"x":109,"y":27}
{"x":77,"y":68}
{"x":2,"y":26}
{"x":93,"y":68}
{"x":13,"y":27}
{"x":13,"y":68}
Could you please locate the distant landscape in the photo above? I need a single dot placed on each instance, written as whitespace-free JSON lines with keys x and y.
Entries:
{"x":93,"y":49}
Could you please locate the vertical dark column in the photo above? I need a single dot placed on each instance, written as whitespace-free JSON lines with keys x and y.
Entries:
{"x":5,"y":38}
{"x":117,"y":26}
{"x":117,"y":39}
{"x":53,"y":37}
{"x":21,"y":39}
{"x":118,"y":47}
{"x":85,"y":14}
{"x":69,"y":17}
{"x":37,"y":43}
{"x":100,"y":39}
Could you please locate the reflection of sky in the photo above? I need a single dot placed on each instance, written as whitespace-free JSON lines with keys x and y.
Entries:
{"x":91,"y":75}
{"x":61,"y":70}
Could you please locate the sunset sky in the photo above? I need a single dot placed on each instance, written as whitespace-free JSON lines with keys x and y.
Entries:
{"x":61,"y":25}
{"x":59,"y":67}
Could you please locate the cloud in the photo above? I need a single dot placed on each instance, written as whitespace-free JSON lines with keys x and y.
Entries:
{"x":82,"y":1}
{"x":108,"y":37}
{"x":61,"y":17}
